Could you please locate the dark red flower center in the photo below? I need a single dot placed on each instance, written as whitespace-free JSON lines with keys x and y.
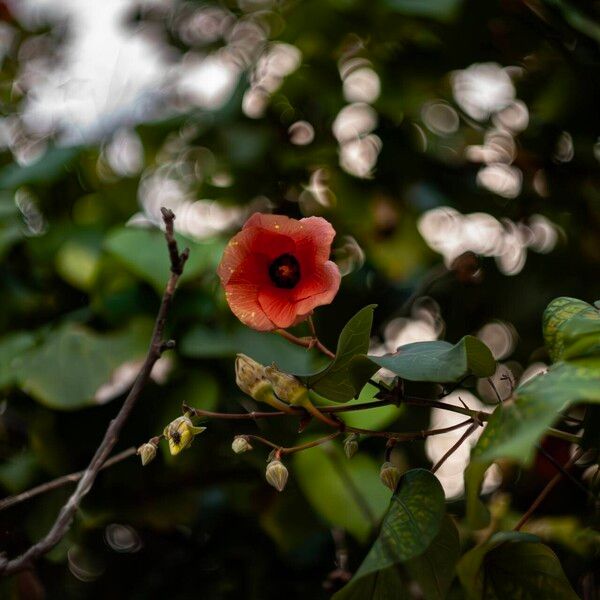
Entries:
{"x":284,"y":271}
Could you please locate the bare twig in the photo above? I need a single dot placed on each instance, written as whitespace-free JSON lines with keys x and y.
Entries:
{"x":562,"y":470}
{"x":549,"y":487}
{"x":306,"y":342}
{"x":67,"y":512}
{"x":60,"y":481}
{"x":282,"y":450}
{"x":456,"y":446}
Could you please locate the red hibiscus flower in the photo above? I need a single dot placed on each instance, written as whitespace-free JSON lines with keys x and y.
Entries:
{"x":276,"y":270}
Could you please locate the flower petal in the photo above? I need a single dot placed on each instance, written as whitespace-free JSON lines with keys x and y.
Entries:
{"x":318,"y":289}
{"x":278,"y":306}
{"x":243,"y":301}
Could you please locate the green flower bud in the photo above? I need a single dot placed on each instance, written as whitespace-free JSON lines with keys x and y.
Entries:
{"x":240,"y":444}
{"x":389,"y":475}
{"x":147,"y":452}
{"x":251,"y":378}
{"x":287,"y":387}
{"x":277,"y":474}
{"x":180,"y":434}
{"x":351,"y":445}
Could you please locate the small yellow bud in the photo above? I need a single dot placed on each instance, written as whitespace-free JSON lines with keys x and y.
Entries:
{"x":147,"y":452}
{"x":240,"y":444}
{"x":277,"y":474}
{"x":351,"y":445}
{"x":180,"y":434}
{"x":287,"y":387}
{"x":389,"y":475}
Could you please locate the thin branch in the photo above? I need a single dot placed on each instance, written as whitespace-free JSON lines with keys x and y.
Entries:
{"x":562,"y":470}
{"x":305,"y":342}
{"x":549,"y":487}
{"x":60,"y":481}
{"x":455,"y":447}
{"x":282,"y":450}
{"x":67,"y":513}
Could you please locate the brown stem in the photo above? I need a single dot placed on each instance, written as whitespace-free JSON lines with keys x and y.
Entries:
{"x":291,"y":449}
{"x":198,"y":412}
{"x":60,"y":481}
{"x":65,"y":516}
{"x":549,"y":487}
{"x":455,"y":447}
{"x":308,"y":343}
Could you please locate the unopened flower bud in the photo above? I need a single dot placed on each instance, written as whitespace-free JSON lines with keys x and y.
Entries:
{"x":147,"y":452}
{"x":277,"y":474}
{"x":240,"y":444}
{"x":287,"y":387}
{"x":389,"y":475}
{"x":251,"y":378}
{"x":351,"y":445}
{"x":180,"y":434}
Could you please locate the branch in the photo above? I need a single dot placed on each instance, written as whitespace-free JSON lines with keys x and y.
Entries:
{"x":60,"y":481}
{"x":456,"y":446}
{"x":67,"y":513}
{"x":549,"y":487}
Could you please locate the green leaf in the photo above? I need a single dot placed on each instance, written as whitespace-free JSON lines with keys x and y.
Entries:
{"x":513,"y":430}
{"x":411,"y":524}
{"x":19,"y":471}
{"x":144,"y":252}
{"x":334,"y":382}
{"x":387,"y":584}
{"x":434,"y":570}
{"x":513,"y":565}
{"x":266,"y":348}
{"x":571,"y":329}
{"x":66,"y":371}
{"x":374,"y":418}
{"x":345,"y":493}
{"x":52,"y":166}
{"x":439,"y":361}
{"x":11,"y":348}
{"x":442,"y":10}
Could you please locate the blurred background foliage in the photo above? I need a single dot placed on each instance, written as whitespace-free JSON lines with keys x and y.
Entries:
{"x":454,"y":145}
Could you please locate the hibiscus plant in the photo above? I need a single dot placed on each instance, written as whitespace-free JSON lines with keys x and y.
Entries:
{"x":276,"y":272}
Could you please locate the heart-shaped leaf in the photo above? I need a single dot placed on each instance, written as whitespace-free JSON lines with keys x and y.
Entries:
{"x":143,"y":252}
{"x":412,"y":522}
{"x":513,"y":430}
{"x":67,"y":370}
{"x":439,"y":361}
{"x":571,"y":329}
{"x":334,"y":381}
{"x":513,"y":565}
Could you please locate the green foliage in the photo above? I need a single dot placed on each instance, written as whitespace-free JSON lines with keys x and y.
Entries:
{"x":266,"y":348}
{"x":334,"y":382}
{"x":80,"y":288}
{"x":571,"y":328}
{"x":513,"y":565}
{"x":409,"y":530}
{"x":439,"y":361}
{"x":53,"y":165}
{"x":143,"y":251}
{"x":68,"y":368}
{"x":345,"y":493}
